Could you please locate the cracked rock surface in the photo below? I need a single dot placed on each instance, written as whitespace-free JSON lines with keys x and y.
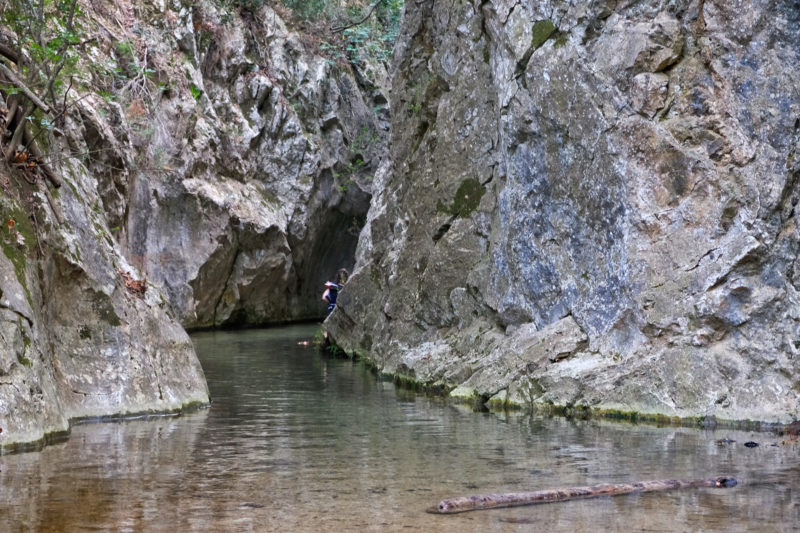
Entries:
{"x":590,"y":204}
{"x":216,"y":172}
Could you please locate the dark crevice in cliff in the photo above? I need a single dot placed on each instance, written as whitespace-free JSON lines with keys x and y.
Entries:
{"x":444,"y":228}
{"x":158,"y":380}
{"x":224,"y":286}
{"x":422,"y":130}
{"x":328,"y":242}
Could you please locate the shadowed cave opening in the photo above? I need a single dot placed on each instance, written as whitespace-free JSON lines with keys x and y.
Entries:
{"x":330,"y":245}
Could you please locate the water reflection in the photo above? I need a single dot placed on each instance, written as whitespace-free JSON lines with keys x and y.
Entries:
{"x":298,"y":442}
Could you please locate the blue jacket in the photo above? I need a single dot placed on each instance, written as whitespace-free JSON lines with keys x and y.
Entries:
{"x":333,"y":293}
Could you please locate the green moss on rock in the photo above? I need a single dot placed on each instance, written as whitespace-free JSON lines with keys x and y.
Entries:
{"x":18,"y":258}
{"x":467,"y":199}
{"x":561,"y":39}
{"x":542,"y":30}
{"x":406,"y":382}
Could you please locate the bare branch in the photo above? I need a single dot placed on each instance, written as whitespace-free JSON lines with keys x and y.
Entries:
{"x":9,"y":52}
{"x":34,"y":150}
{"x":30,"y":94}
{"x":18,"y":132}
{"x":369,"y":13}
{"x":13,"y":105}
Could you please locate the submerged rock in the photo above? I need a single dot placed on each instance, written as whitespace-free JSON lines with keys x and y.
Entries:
{"x":634,"y":181}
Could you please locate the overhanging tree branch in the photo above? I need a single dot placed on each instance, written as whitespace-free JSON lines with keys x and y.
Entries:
{"x":369,"y":14}
{"x":24,"y":88}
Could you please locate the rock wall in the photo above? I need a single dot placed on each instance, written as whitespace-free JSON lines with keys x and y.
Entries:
{"x":591,"y":205}
{"x":258,"y":167}
{"x":216,"y":171}
{"x":80,"y":335}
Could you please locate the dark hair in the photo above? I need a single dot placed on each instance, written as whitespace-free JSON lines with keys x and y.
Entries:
{"x":341,"y":276}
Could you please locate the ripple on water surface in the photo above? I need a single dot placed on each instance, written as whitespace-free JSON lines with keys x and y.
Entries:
{"x":295,"y":441}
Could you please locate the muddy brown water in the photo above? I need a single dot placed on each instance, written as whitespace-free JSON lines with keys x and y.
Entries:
{"x":296,"y":441}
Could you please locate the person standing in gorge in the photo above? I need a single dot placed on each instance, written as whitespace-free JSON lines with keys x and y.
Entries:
{"x":332,"y":289}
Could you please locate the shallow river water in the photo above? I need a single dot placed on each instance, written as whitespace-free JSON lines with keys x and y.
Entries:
{"x":297,"y":441}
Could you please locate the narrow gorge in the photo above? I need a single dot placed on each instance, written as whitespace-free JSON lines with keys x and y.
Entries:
{"x":585,"y":206}
{"x":217,"y":166}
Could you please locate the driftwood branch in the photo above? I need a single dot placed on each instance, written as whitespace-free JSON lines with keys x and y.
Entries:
{"x":512,"y":499}
{"x":369,"y":14}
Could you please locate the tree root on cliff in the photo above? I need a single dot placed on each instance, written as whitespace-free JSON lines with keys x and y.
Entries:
{"x":512,"y":499}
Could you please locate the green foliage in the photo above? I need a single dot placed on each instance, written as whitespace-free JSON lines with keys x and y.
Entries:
{"x":125,"y":50}
{"x":336,"y":351}
{"x":343,"y":180}
{"x":319,"y":338}
{"x":17,"y":239}
{"x":49,"y":32}
{"x":249,"y":5}
{"x":196,"y":91}
{"x":364,"y":43}
{"x":305,"y":9}
{"x":358,"y":33}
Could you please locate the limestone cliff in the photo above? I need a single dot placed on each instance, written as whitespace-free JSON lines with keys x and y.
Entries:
{"x":590,"y":204}
{"x":256,"y":160}
{"x":80,"y":335}
{"x":217,"y":169}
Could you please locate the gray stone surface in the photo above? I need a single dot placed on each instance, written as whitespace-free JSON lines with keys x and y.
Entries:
{"x":216,"y":158}
{"x":266,"y":174}
{"x":75,"y":342}
{"x":590,"y":204}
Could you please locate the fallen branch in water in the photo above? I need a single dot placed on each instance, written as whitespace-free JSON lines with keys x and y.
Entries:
{"x":512,"y":499}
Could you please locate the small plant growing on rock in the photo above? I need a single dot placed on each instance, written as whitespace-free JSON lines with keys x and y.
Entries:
{"x":39,"y":48}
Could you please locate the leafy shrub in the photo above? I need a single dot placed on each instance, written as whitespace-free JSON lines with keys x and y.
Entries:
{"x":48,"y":31}
{"x":307,"y":9}
{"x":357,"y":30}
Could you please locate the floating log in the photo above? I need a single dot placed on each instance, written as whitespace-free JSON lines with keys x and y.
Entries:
{"x":512,"y":499}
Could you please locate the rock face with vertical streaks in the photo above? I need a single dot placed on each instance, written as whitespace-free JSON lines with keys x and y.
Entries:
{"x":217,"y":170}
{"x":590,"y":204}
